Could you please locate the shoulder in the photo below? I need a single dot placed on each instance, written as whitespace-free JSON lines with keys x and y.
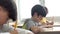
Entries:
{"x":29,"y":20}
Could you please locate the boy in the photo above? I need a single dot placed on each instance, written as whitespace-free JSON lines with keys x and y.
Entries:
{"x":37,"y":14}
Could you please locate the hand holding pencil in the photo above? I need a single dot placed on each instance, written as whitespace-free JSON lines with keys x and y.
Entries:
{"x":15,"y":26}
{"x":14,"y":31}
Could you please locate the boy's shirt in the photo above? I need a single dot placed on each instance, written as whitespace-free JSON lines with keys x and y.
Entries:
{"x":31,"y":23}
{"x":6,"y":28}
{"x":5,"y":33}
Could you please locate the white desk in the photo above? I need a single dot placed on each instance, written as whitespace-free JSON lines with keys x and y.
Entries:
{"x":56,"y":27}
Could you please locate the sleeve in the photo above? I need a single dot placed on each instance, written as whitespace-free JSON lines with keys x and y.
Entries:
{"x":30,"y":24}
{"x":8,"y":28}
{"x":11,"y":28}
{"x":5,"y":33}
{"x":23,"y":31}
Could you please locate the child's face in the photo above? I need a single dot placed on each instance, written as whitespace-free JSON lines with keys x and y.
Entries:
{"x":37,"y":18}
{"x":3,"y":15}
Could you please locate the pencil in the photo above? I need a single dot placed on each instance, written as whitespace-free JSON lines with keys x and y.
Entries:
{"x":15,"y":26}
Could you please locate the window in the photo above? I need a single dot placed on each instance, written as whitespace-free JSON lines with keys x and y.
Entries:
{"x":24,"y":7}
{"x":53,"y":7}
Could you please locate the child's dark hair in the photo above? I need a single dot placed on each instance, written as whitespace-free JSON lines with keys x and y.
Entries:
{"x":10,"y":6}
{"x":46,"y":9}
{"x":39,"y":10}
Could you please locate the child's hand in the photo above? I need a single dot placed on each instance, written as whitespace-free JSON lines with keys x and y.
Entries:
{"x":48,"y":26}
{"x":50,"y":23}
{"x":14,"y":32}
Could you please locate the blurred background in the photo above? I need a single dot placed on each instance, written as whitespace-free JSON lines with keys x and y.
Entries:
{"x":24,"y":8}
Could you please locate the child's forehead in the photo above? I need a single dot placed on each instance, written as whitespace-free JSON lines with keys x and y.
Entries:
{"x":2,"y":8}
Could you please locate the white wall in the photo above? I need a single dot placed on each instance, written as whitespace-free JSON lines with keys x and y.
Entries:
{"x":25,"y":8}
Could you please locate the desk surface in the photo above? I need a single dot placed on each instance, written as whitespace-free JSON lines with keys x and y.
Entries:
{"x":55,"y":28}
{"x":51,"y":29}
